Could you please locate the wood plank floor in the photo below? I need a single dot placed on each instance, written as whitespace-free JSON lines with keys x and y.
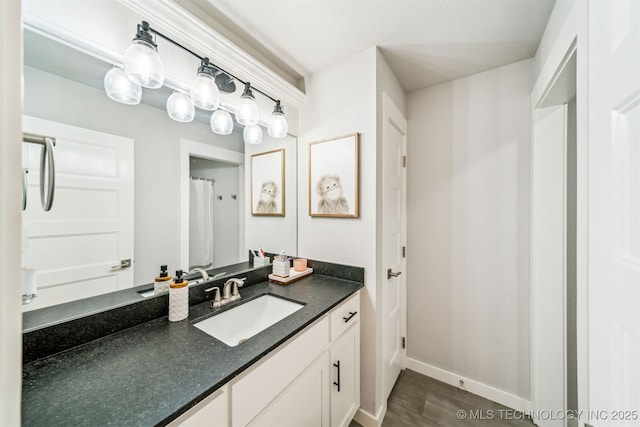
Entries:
{"x":417,"y":400}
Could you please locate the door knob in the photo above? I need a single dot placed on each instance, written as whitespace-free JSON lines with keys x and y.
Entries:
{"x":391,"y":274}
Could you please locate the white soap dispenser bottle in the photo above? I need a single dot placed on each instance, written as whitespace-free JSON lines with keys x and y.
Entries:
{"x":178,"y":298}
{"x":161,"y":284}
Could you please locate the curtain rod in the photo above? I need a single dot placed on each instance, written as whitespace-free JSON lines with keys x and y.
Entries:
{"x":203,"y":179}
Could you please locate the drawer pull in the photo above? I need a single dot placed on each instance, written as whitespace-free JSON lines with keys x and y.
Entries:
{"x":351,"y":314}
{"x":337,"y":384}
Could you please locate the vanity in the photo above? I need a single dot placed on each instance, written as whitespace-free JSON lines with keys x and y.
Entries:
{"x":302,"y":370}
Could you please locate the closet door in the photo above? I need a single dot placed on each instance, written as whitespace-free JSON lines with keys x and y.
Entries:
{"x":614,"y":213}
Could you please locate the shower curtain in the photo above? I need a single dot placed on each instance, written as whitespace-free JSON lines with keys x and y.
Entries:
{"x":200,"y":224}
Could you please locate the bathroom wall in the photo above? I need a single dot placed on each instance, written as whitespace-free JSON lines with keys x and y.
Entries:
{"x":341,"y":99}
{"x":226,"y":211}
{"x":344,"y":98}
{"x":468,"y":221}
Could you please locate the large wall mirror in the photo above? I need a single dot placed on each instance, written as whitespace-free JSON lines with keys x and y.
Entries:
{"x":159,"y":165}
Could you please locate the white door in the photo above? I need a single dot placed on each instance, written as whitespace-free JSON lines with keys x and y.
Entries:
{"x":393,"y":300}
{"x":548,"y":264}
{"x":614,"y":213}
{"x":89,"y":230}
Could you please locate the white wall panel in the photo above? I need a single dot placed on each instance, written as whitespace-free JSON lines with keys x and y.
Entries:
{"x":468,"y":229}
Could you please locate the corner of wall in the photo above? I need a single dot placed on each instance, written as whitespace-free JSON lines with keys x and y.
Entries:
{"x":341,"y":99}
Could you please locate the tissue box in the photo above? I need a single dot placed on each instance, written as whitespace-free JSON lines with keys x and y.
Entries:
{"x":281,"y":268}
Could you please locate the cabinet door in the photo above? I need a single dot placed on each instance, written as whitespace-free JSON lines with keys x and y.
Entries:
{"x":305,"y":402}
{"x":213,"y":411}
{"x":345,"y":371}
{"x":254,"y":391}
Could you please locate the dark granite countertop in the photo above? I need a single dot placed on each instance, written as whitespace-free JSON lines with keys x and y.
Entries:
{"x":151,"y":373}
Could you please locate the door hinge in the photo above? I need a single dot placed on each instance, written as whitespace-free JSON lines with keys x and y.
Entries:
{"x":404,"y":342}
{"x":404,"y":252}
{"x":404,"y":161}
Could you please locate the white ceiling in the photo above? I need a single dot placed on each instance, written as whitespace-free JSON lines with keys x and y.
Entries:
{"x":426,"y":42}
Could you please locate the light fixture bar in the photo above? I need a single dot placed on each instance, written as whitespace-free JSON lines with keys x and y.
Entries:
{"x":175,"y":43}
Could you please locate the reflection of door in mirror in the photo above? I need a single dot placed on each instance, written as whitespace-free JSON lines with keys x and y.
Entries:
{"x":213,"y":213}
{"x":207,"y":167}
{"x":76,"y":248}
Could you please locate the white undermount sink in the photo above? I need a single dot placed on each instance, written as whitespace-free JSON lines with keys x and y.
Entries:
{"x":244,"y":321}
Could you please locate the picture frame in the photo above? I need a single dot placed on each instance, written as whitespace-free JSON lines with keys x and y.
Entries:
{"x":267,"y":183}
{"x":334,"y":177}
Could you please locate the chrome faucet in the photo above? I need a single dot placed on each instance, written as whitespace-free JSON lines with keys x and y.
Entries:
{"x":203,"y":273}
{"x":229,"y":292}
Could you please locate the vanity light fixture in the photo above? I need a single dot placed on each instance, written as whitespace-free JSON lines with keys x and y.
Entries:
{"x":180,"y":108}
{"x":141,"y":60}
{"x":204,"y":90}
{"x":252,"y":134}
{"x":278,"y":126}
{"x":247,"y":111}
{"x":120,"y":88}
{"x":143,"y":68}
{"x":221,"y":122}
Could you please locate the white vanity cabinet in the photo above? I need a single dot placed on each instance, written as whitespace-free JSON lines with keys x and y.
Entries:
{"x":296,"y":385}
{"x":345,"y":362}
{"x":213,"y":411}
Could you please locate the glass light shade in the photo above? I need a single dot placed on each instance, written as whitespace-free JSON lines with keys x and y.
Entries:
{"x":221,"y":122}
{"x":143,"y":65}
{"x":278,"y":127}
{"x":120,"y":88}
{"x":205,"y":93}
{"x":252,"y":134}
{"x":180,"y":107}
{"x":247,"y":111}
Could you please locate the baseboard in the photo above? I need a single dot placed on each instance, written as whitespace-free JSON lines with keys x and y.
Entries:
{"x":365,"y":419}
{"x":499,"y":396}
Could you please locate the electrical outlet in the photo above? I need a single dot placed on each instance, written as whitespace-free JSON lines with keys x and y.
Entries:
{"x":461,"y":383}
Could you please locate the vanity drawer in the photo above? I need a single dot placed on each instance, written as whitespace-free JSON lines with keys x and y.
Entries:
{"x":345,"y":315}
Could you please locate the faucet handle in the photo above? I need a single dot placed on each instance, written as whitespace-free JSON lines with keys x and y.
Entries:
{"x":238,"y":282}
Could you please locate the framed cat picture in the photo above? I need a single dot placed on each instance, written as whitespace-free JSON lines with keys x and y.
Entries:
{"x":334,"y":178}
{"x":267,"y":183}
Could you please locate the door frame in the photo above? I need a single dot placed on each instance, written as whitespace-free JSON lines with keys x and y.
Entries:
{"x":190,"y":148}
{"x":10,"y":212}
{"x":572,"y":39}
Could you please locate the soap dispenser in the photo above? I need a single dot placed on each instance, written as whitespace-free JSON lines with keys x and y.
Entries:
{"x":178,"y":298}
{"x":161,"y":284}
